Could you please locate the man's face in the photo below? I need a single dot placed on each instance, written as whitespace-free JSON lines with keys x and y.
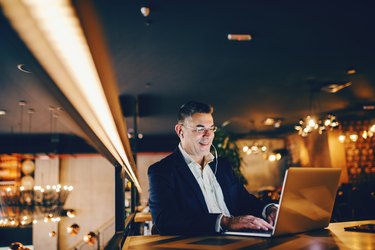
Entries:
{"x":194,"y":142}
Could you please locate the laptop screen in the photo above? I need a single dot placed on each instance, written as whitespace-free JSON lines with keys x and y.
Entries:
{"x":306,"y":200}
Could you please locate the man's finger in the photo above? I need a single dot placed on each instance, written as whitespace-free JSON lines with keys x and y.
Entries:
{"x":270,"y":220}
{"x":263,"y":224}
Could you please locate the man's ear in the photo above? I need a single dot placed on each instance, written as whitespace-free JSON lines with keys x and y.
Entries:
{"x":178,"y":129}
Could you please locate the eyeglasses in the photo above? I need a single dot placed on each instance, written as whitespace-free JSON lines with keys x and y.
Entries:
{"x":202,"y":130}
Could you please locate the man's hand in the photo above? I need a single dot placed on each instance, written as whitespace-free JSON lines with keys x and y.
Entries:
{"x":244,"y":222}
{"x":271,"y":214}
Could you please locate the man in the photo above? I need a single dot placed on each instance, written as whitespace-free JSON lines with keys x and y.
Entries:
{"x":192,"y":192}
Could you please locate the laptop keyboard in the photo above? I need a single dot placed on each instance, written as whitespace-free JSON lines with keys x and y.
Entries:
{"x":255,"y":231}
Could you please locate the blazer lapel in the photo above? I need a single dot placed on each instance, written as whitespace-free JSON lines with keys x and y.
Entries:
{"x":188,"y":176}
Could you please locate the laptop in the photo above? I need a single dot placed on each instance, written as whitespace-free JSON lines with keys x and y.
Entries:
{"x":306,"y":202}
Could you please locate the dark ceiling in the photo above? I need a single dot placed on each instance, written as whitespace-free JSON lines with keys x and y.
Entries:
{"x":181,"y":52}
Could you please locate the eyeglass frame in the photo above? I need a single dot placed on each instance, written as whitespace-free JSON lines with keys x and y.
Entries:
{"x":201,"y":130}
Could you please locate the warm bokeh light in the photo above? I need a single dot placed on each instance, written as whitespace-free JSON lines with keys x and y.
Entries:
{"x":272,"y":157}
{"x":73,"y":229}
{"x":90,"y":238}
{"x":239,"y":37}
{"x":311,"y":122}
{"x":71,"y":213}
{"x":278,"y":156}
{"x":353,"y":137}
{"x":52,"y":234}
{"x":342,"y":138}
{"x":364,"y":134}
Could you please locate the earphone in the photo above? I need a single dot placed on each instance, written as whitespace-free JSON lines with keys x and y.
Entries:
{"x":217,"y":160}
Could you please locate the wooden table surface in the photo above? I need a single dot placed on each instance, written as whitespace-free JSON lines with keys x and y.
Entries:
{"x":333,"y":237}
{"x":142,"y":217}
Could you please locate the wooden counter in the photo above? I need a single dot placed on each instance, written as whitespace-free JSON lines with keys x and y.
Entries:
{"x":142,"y":217}
{"x":333,"y":237}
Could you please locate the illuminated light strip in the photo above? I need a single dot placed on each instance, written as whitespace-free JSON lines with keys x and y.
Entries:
{"x":239,"y":37}
{"x":53,"y":33}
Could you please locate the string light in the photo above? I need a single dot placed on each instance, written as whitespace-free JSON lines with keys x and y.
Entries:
{"x":309,"y":124}
{"x":257,"y":148}
{"x":254,"y":148}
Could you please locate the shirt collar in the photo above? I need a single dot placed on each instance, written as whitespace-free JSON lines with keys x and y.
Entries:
{"x":207,"y":158}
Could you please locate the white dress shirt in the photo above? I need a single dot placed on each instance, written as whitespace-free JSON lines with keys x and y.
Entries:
{"x":212,"y":193}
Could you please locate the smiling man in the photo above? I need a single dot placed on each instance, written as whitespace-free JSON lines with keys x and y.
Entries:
{"x":194,"y":192}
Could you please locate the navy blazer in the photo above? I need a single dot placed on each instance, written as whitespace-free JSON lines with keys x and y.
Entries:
{"x":177,"y":203}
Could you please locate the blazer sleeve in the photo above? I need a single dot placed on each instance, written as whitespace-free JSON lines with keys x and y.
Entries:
{"x":170,"y":214}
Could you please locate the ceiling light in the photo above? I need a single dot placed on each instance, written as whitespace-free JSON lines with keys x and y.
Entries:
{"x":335,"y":87}
{"x":351,"y":71}
{"x":269,"y":121}
{"x":22,"y":68}
{"x":239,"y":37}
{"x":309,"y":124}
{"x":145,"y":11}
{"x":225,"y":123}
{"x":368,"y":107}
{"x":276,"y":122}
{"x":319,"y":123}
{"x":3,"y":112}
